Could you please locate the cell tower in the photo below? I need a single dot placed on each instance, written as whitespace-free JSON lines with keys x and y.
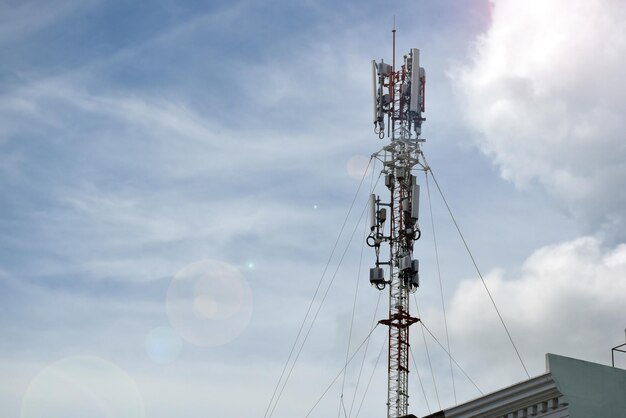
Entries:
{"x":398,"y":107}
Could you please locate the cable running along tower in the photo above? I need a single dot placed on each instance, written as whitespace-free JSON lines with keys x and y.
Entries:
{"x":398,"y":106}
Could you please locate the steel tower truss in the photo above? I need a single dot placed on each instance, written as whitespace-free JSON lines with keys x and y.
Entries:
{"x":398,"y":98}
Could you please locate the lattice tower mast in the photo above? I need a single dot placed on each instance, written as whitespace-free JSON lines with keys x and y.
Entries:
{"x":398,"y":101}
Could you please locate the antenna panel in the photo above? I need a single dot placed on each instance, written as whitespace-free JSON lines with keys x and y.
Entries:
{"x":416,"y":85}
{"x":375,"y":94}
{"x":372,"y":205}
{"x":415,"y":201}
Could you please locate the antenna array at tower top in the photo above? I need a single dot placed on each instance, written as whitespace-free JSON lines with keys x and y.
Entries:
{"x":399,"y":97}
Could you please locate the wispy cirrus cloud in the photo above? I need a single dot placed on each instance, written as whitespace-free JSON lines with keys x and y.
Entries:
{"x":24,"y":18}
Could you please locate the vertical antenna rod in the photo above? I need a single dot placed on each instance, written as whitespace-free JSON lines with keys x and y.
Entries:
{"x":398,"y":95}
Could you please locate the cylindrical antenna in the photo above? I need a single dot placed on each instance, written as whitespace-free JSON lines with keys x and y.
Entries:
{"x":394,"y":43}
{"x":392,"y":82}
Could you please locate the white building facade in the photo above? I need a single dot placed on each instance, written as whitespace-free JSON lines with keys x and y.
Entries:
{"x":570,"y":389}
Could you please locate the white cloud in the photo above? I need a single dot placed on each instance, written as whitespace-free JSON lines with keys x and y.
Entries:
{"x":545,"y":92}
{"x":566,"y":299}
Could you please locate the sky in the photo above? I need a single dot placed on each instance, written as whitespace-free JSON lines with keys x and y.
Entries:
{"x":174,"y":177}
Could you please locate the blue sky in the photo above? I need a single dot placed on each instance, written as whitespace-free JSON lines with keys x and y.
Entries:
{"x":174,"y":176}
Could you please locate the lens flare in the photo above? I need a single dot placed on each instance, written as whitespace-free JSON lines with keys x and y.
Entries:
{"x":82,"y":386}
{"x":163,"y":345}
{"x":357,"y":165}
{"x":209,"y":303}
